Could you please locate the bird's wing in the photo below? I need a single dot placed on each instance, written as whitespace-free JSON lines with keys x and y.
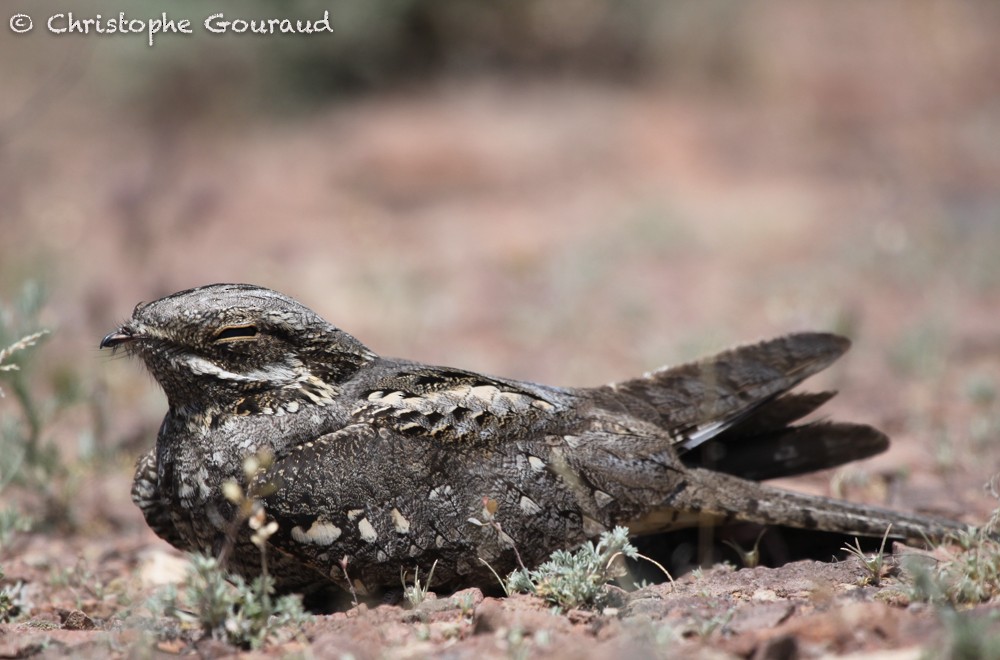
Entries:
{"x":457,"y":407}
{"x":733,"y":411}
{"x":697,"y":401}
{"x":322,"y":495}
{"x":381,"y":502}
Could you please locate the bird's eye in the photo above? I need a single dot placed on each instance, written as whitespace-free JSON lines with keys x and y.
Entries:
{"x":236,"y":332}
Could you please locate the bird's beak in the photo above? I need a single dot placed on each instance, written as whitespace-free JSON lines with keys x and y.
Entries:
{"x":117,"y":338}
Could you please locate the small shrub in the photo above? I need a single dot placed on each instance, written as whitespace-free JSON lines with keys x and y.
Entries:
{"x":11,"y":520}
{"x":575,"y":579}
{"x":972,"y":573}
{"x":750,"y":558}
{"x":417,"y":592}
{"x":874,"y":564}
{"x":228,"y":608}
{"x":969,"y":637}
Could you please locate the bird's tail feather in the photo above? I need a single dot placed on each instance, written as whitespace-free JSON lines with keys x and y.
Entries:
{"x":697,"y":401}
{"x":714,"y":495}
{"x":785,"y":451}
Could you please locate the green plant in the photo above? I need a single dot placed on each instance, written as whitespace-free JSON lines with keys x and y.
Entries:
{"x":467,"y":605}
{"x":574,"y":579}
{"x":11,"y":520}
{"x":21,"y":344}
{"x":28,"y":457}
{"x":417,"y":592}
{"x":968,"y":637}
{"x":19,"y":332}
{"x":751,"y":557}
{"x":227,"y":607}
{"x":969,"y":575}
{"x":873,"y":564}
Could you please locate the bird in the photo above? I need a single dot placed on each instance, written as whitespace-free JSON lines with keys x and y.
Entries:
{"x":373,"y":466}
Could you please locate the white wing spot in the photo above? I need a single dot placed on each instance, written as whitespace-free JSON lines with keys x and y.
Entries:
{"x":529,"y":507}
{"x":319,"y":533}
{"x":439,"y":541}
{"x":484,"y":393}
{"x":536,"y":463}
{"x":368,"y":533}
{"x":354,"y":513}
{"x":517,"y":402}
{"x":392,"y":399}
{"x":439,"y":492}
{"x":400,"y":522}
{"x":592,"y":528}
{"x":602,"y":498}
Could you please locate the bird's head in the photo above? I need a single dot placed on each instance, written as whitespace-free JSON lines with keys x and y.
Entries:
{"x":219,"y":343}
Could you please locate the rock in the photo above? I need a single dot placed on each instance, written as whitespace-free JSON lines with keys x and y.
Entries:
{"x":75,"y":620}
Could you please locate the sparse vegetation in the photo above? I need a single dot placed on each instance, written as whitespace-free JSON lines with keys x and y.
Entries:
{"x":565,"y":220}
{"x":225,"y":606}
{"x":13,"y":449}
{"x":21,"y":344}
{"x":875,"y":564}
{"x":29,"y":454}
{"x":228,"y":608}
{"x":972,"y":573}
{"x":15,"y":443}
{"x":575,"y":579}
{"x":750,"y":558}
{"x":12,"y":521}
{"x":968,"y":637}
{"x":417,"y":592}
{"x":19,"y":331}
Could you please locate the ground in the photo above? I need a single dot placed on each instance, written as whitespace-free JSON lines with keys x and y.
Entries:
{"x":560,"y":231}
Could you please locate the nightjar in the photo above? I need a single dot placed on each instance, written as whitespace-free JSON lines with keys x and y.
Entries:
{"x":380,"y":465}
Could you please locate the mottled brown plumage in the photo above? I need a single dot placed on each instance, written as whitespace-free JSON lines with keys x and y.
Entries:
{"x":395,"y":465}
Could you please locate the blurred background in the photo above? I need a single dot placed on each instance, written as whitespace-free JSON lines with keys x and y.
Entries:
{"x":567,"y":191}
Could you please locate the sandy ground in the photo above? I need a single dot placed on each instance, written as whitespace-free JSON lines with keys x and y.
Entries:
{"x":565,"y":232}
